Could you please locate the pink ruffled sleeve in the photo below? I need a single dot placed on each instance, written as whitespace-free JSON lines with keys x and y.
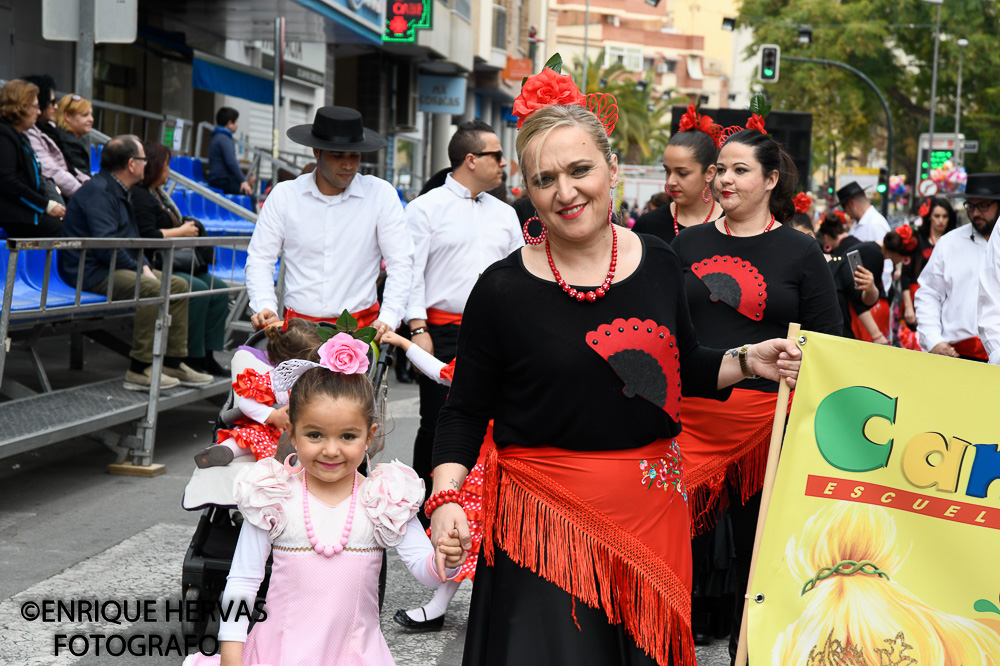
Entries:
{"x":261,"y":491}
{"x":390,"y":496}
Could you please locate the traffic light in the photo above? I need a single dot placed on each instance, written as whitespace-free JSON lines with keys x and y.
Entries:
{"x":883,"y":181}
{"x":770,"y":57}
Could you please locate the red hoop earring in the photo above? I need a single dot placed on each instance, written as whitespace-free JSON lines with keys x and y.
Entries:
{"x":706,"y":194}
{"x":534,"y":240}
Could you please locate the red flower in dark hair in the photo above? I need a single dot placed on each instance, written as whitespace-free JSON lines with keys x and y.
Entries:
{"x":925,"y":208}
{"x":692,"y":120}
{"x":906,"y":234}
{"x":840,"y":214}
{"x":802,"y":202}
{"x":756,"y":122}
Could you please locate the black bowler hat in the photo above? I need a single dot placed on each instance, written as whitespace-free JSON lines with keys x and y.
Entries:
{"x":980,"y":186}
{"x":849,"y":191}
{"x":339,"y":129}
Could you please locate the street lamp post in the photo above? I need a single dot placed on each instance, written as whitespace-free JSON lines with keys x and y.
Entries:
{"x":962,"y":43}
{"x":937,"y":40}
{"x":586,"y":44}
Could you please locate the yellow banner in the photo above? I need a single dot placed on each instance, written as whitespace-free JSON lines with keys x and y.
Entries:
{"x":882,"y":542}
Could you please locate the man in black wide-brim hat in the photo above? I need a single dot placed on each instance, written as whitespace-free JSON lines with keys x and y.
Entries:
{"x":332,"y":228}
{"x":989,"y":283}
{"x":946,"y":303}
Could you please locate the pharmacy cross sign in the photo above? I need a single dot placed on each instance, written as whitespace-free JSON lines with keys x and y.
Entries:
{"x":404,"y":18}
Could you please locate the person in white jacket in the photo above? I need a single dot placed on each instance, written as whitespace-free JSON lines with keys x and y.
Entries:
{"x":55,"y":166}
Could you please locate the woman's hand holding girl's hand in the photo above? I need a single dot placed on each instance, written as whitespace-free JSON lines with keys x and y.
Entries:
{"x":774,"y":359}
{"x":447,"y":519}
{"x":279,"y":418}
{"x":395,"y":340}
{"x":451,"y":546}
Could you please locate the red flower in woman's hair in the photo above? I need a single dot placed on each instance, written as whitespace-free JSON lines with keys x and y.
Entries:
{"x":925,"y":208}
{"x":906,"y":234}
{"x":546,"y":89}
{"x":840,"y":214}
{"x":756,"y":122}
{"x":692,"y":120}
{"x":802,"y":202}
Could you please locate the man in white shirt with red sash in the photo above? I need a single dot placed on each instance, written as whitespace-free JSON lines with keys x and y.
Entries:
{"x":946,"y":302}
{"x":332,"y":228}
{"x":458,"y":231}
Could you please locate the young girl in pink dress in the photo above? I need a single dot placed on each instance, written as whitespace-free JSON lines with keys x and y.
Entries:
{"x":325,"y":525}
{"x":265,"y":411}
{"x":430,"y":617}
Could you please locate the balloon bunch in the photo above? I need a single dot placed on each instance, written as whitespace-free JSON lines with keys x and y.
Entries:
{"x":899,"y":191}
{"x":949,"y":179}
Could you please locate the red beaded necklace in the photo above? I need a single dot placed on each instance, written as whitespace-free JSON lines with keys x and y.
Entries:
{"x":590,"y":296}
{"x":766,"y":229}
{"x":677,"y":229}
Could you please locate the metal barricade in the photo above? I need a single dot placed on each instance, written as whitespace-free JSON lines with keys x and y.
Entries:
{"x":141,"y":446}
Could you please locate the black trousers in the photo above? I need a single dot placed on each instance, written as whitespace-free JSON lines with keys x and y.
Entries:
{"x":432,"y":399}
{"x":744,"y":519}
{"x":47,"y":227}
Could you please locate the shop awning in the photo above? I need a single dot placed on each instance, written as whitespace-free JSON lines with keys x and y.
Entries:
{"x":223,"y":76}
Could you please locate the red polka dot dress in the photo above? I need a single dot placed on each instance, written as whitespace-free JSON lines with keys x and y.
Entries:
{"x":260,"y":438}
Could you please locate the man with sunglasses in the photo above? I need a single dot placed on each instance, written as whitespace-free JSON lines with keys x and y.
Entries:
{"x":946,"y":303}
{"x":458,"y":230}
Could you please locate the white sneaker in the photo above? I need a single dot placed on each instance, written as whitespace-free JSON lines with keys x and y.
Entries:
{"x":188,"y":376}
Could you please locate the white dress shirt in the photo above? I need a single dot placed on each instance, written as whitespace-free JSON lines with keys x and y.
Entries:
{"x":455,"y":238}
{"x":989,"y":299}
{"x":949,"y":289}
{"x":332,"y":247}
{"x":871,"y":227}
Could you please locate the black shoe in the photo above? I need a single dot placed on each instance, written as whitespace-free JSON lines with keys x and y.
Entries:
{"x":213,"y":367}
{"x":414,"y":627}
{"x":213,"y":456}
{"x":701,"y":638}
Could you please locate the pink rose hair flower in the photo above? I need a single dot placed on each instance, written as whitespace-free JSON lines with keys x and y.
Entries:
{"x":342,"y":353}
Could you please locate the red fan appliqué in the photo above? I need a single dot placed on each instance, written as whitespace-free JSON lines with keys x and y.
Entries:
{"x":644,"y":355}
{"x":734,"y":282}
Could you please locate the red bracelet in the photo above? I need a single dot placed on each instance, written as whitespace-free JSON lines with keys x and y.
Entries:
{"x":439,"y":498}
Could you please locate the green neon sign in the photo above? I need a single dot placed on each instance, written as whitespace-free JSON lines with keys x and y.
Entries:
{"x":403,"y":19}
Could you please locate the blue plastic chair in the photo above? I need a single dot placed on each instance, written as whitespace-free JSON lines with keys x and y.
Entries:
{"x":31,"y":270}
{"x":95,"y":158}
{"x":24,"y":297}
{"x":180,"y":198}
{"x":230,"y":265}
{"x":197,"y":170}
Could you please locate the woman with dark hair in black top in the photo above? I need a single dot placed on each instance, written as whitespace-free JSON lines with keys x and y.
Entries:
{"x":937,"y":218}
{"x":747,"y":276}
{"x":833,"y":237}
{"x":585,"y":550}
{"x":689,"y":165}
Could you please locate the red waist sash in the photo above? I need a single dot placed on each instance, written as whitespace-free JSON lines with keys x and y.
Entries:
{"x":365,"y":317}
{"x":724,"y":443}
{"x":973,"y":348}
{"x":442,"y":318}
{"x":608,"y":527}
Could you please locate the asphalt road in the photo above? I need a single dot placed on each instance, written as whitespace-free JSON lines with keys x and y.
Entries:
{"x":70,"y":531}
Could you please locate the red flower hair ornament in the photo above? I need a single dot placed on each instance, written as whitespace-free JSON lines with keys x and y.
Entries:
{"x":925,"y":208}
{"x":841,"y":215}
{"x":802,"y":202}
{"x":906,"y":233}
{"x":692,"y":120}
{"x":759,"y":108}
{"x":549,"y":87}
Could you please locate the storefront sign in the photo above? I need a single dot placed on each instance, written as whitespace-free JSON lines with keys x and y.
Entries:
{"x":516,"y":69}
{"x":442,"y":94}
{"x":404,"y":18}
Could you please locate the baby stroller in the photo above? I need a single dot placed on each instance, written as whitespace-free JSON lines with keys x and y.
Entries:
{"x":210,"y":553}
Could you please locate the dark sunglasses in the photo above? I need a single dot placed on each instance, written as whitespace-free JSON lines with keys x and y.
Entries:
{"x":498,"y":154}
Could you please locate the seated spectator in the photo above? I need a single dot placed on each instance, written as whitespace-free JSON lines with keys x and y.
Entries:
{"x":75,"y":118}
{"x":157,"y":216}
{"x":224,"y":170}
{"x":101,"y":209}
{"x":26,"y":211}
{"x":48,"y":145}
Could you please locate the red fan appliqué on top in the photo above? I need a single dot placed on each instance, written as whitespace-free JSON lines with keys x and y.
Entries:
{"x":644,"y":355}
{"x":734,"y":282}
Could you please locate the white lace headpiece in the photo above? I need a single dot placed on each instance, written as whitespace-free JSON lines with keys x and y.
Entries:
{"x":342,"y":353}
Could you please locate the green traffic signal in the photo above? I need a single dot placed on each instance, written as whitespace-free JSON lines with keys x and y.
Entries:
{"x":768,"y":72}
{"x":924,"y":164}
{"x":881,"y":188}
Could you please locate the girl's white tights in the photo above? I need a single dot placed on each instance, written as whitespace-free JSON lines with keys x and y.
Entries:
{"x":235,"y":448}
{"x":438,"y":605}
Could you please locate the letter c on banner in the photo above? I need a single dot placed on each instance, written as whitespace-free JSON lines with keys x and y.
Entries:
{"x":840,"y":428}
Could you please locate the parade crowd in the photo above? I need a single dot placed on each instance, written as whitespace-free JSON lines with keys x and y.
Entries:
{"x":596,"y":402}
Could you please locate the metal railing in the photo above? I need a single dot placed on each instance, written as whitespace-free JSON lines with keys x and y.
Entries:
{"x":142,"y":453}
{"x":118,"y":119}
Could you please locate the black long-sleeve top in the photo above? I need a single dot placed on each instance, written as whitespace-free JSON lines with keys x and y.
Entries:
{"x":533,"y":360}
{"x":781,"y":277}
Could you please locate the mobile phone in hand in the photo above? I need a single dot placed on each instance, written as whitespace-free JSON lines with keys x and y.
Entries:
{"x":854,"y":259}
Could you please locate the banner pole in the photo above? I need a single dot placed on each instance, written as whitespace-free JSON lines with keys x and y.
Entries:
{"x":774,"y":451}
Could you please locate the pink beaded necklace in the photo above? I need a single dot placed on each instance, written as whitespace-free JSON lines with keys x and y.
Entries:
{"x":329,"y":551}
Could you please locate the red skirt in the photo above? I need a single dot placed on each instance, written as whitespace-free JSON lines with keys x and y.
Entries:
{"x":609,"y":528}
{"x":261,"y":438}
{"x":880,"y":312}
{"x":724,"y":444}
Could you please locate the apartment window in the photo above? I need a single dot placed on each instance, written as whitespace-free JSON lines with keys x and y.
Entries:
{"x":464,"y":9}
{"x":629,"y":58}
{"x":499,"y":27}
